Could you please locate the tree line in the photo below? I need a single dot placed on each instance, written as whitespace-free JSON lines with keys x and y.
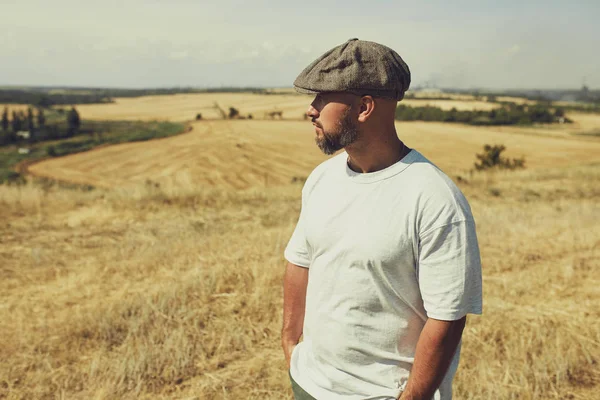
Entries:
{"x":46,"y":97}
{"x":17,"y":126}
{"x":507,"y":114}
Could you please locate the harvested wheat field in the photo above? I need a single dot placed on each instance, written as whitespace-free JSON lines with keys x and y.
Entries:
{"x":164,"y":282}
{"x":241,"y":154}
{"x":14,"y":107}
{"x":184,"y":107}
{"x":460,"y":105}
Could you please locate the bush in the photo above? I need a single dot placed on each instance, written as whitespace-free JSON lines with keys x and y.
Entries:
{"x":233,"y":113}
{"x":11,"y":177}
{"x":198,"y":117}
{"x":491,"y":158}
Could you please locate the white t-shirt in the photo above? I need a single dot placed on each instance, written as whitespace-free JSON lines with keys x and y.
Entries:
{"x":386,"y":250}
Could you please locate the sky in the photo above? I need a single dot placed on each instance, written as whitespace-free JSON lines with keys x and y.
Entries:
{"x":167,"y":43}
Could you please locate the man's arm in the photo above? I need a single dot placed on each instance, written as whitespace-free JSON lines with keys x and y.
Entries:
{"x":294,"y":302}
{"x":435,"y":349}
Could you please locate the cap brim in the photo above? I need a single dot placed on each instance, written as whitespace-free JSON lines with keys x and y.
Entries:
{"x":305,"y":91}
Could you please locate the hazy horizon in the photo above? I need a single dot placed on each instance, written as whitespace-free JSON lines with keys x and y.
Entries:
{"x":200,"y":88}
{"x":157,"y":44}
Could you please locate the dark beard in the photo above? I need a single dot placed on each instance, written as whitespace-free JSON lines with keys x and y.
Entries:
{"x":332,"y":142}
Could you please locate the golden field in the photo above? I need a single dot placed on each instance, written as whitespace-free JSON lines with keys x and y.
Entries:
{"x":184,"y":107}
{"x":14,"y":107}
{"x":242,"y":154}
{"x":165,"y":281}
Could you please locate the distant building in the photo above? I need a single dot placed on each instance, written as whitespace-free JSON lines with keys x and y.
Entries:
{"x":23,"y":134}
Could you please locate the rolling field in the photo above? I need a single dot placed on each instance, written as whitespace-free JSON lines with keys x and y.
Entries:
{"x":241,"y":154}
{"x":165,"y":281}
{"x":183,"y":107}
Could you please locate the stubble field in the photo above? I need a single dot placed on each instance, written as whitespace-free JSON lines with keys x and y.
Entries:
{"x":183,"y":107}
{"x":165,"y":281}
{"x":14,"y":107}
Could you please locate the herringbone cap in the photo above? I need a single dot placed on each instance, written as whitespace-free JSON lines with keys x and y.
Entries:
{"x":359,"y":67}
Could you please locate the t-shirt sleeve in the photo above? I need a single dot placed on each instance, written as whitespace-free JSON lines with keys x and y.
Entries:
{"x":449,"y":271}
{"x":297,"y":250}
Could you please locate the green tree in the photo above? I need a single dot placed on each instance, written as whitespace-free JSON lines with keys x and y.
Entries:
{"x":41,"y":118}
{"x":44,"y":101}
{"x":5,"y":119}
{"x":30,"y":124}
{"x":73,"y":122}
{"x":16,"y":122}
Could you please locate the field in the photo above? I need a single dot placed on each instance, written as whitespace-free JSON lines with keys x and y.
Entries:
{"x":182,"y":107}
{"x":244,"y":154}
{"x":14,"y":107}
{"x":165,"y":281}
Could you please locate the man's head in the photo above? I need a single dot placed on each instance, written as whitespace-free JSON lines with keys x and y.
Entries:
{"x":340,"y":118}
{"x":333,"y":115}
{"x":357,"y":85}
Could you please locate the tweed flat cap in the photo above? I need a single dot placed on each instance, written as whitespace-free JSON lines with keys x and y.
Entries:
{"x":359,"y":67}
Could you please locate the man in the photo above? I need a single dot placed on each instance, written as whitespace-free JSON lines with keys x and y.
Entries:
{"x":383,"y":265}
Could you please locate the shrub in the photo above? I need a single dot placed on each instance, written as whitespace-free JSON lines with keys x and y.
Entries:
{"x":492,"y":158}
{"x":198,"y":117}
{"x":11,"y":177}
{"x":233,"y":113}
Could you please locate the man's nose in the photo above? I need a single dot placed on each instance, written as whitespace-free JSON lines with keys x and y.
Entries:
{"x":312,"y":112}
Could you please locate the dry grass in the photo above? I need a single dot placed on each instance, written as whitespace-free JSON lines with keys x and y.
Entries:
{"x":14,"y":107}
{"x":461,"y":105}
{"x":172,"y":289}
{"x":184,"y":107}
{"x":245,"y":154}
{"x":517,"y":100}
{"x":175,"y":292}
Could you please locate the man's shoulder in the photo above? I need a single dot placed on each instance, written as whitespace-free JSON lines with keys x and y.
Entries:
{"x":323,"y":169}
{"x":436,"y":192}
{"x":428,"y":178}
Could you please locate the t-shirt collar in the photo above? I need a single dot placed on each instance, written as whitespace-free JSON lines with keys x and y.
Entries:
{"x":388,"y":172}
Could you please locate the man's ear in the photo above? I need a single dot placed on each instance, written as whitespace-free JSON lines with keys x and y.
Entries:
{"x":366,"y":108}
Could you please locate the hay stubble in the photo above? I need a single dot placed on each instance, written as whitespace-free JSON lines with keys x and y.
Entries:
{"x":165,"y":282}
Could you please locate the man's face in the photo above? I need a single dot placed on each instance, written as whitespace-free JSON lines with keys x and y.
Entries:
{"x":335,"y":123}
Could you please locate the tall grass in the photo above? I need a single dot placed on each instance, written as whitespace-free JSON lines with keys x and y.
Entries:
{"x":174,"y":291}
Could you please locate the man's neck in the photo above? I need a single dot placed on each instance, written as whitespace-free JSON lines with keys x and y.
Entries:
{"x":377,"y":155}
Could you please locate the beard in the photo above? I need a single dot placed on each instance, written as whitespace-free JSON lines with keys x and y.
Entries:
{"x":345,"y":134}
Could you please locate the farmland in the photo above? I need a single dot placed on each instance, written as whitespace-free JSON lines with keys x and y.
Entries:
{"x":244,"y":154}
{"x":182,"y":107}
{"x":164,"y":282}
